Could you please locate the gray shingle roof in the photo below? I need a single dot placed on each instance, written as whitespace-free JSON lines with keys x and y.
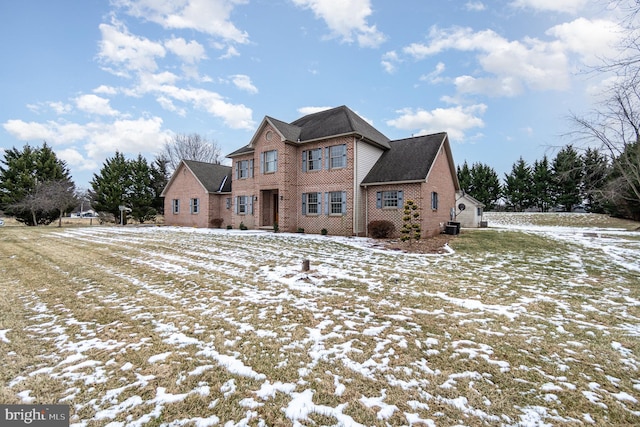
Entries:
{"x":324,"y":124}
{"x":408,"y":159}
{"x":338,"y":121}
{"x":215,"y":178}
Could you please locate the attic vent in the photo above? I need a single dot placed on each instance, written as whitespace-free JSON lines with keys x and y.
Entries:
{"x":268,"y":135}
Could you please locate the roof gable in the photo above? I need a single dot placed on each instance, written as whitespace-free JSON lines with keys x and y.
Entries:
{"x":213,"y":178}
{"x":325,"y":124}
{"x":409,"y":159}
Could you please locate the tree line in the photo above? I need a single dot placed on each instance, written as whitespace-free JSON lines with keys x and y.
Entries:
{"x":590,"y":180}
{"x":36,"y":187}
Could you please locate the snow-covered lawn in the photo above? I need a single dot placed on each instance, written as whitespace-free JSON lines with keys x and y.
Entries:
{"x":519,"y":324}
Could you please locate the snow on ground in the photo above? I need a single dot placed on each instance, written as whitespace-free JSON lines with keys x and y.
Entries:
{"x":458,"y":334}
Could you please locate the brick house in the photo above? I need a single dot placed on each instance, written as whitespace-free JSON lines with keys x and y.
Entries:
{"x":332,"y":170}
{"x":198,"y":194}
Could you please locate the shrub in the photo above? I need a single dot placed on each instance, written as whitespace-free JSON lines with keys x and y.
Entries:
{"x":242,"y":226}
{"x":229,"y":227}
{"x":300,"y":230}
{"x":276,"y":227}
{"x":324,"y":232}
{"x":381,"y":229}
{"x":216,"y":222}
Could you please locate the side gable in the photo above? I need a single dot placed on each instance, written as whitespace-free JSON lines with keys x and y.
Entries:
{"x":213,"y":178}
{"x":409,"y":160}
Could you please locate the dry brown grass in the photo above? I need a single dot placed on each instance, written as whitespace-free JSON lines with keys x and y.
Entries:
{"x":98,"y":317}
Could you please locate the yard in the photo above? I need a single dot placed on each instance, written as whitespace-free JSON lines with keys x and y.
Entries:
{"x":534,"y":321}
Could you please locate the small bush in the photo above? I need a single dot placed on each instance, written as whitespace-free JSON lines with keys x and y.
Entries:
{"x":324,"y":232}
{"x":381,"y":229}
{"x":300,"y":230}
{"x":216,"y":222}
{"x":229,"y":227}
{"x":276,"y":227}
{"x":242,"y":226}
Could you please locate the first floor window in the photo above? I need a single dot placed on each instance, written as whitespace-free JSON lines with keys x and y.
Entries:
{"x":434,"y":201}
{"x":311,"y":203}
{"x":175,"y":206}
{"x":337,"y":202}
{"x":195,"y":206}
{"x":244,"y":205}
{"x":392,"y":199}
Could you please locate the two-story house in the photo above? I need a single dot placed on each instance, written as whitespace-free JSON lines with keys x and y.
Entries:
{"x":332,"y":170}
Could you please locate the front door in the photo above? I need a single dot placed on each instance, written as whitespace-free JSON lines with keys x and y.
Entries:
{"x":274,"y":206}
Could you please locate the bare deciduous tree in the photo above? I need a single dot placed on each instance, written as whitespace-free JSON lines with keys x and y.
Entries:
{"x":190,"y":147}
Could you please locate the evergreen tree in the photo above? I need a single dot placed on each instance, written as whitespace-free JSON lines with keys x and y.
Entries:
{"x":23,"y":174}
{"x":543,"y":185}
{"x":112,"y":186}
{"x":485,"y":185}
{"x":159,"y":180}
{"x":141,"y":194}
{"x":594,"y":181}
{"x":517,"y":188}
{"x":567,"y":173}
{"x":464,"y":177}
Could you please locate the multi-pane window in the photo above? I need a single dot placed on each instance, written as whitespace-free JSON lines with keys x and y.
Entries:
{"x":337,"y":156}
{"x":175,"y":206}
{"x":311,"y":203}
{"x":434,"y":201}
{"x":241,"y":204}
{"x":336,"y":202}
{"x":228,"y":202}
{"x":270,"y":161}
{"x":390,"y":199}
{"x":243,"y":169}
{"x":195,"y":206}
{"x":313,"y":159}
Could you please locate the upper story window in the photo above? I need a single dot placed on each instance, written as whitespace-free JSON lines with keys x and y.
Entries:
{"x":195,"y":206}
{"x":175,"y":206}
{"x":312,"y":160}
{"x":244,"y":169}
{"x":269,"y":161}
{"x":337,"y":156}
{"x":434,"y":201}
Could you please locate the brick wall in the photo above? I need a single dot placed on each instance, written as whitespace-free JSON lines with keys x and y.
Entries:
{"x":184,"y":187}
{"x":440,"y":181}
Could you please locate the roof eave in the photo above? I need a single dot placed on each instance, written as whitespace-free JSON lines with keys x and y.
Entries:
{"x":408,"y":181}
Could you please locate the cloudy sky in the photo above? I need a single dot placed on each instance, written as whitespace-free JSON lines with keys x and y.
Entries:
{"x":94,"y":76}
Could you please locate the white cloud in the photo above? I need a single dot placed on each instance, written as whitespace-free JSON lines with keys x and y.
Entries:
{"x":591,"y":39}
{"x":206,"y":16}
{"x":456,"y":121}
{"x":510,"y":65}
{"x":120,"y":48}
{"x":76,"y":160}
{"x":567,"y":6}
{"x":106,"y":90}
{"x":434,"y":76}
{"x":95,"y":104}
{"x":190,"y":52}
{"x":390,"y":60}
{"x":310,"y":110}
{"x":51,"y":131}
{"x":346,"y":19}
{"x":475,"y":6}
{"x":243,"y":82}
{"x":61,"y":107}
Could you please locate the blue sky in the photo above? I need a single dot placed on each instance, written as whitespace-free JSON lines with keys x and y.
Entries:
{"x":501,"y":77}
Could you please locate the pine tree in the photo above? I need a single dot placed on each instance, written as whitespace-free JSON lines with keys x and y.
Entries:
{"x":159,"y":180}
{"x":141,"y":194}
{"x":567,"y":173}
{"x":112,"y":186}
{"x":23,"y":175}
{"x":517,"y":188}
{"x":485,"y":185}
{"x":594,"y":181}
{"x":464,"y":177}
{"x":411,"y":229}
{"x":542,"y":188}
